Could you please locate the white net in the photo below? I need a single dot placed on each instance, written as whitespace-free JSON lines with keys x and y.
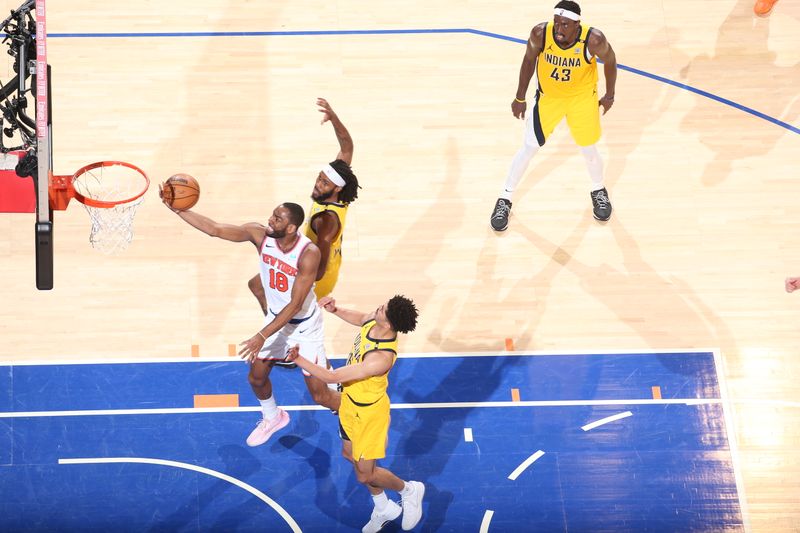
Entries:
{"x":112,"y":192}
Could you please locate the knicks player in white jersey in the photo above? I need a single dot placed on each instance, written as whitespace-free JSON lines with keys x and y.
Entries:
{"x":288,"y":261}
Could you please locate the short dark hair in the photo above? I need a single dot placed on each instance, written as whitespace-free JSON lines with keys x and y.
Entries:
{"x":350,"y":190}
{"x":296,"y":213}
{"x":402,"y":314}
{"x":569,"y":6}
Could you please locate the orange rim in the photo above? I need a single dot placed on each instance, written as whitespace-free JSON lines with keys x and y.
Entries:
{"x":106,"y":204}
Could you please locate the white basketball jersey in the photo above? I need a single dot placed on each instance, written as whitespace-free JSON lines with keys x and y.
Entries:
{"x":279,"y":270}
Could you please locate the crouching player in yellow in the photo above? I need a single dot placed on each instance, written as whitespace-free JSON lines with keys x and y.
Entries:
{"x":364,"y":408}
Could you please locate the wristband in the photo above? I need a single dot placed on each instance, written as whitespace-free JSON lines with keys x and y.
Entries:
{"x":517,"y":100}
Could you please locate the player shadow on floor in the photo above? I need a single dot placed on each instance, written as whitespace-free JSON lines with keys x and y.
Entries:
{"x":339,"y":495}
{"x":433,"y":229}
{"x":530,"y":294}
{"x":328,"y":467}
{"x":741,"y":52}
{"x":201,"y":101}
{"x":431,"y":435}
{"x":673,"y":317}
{"x":240,"y":464}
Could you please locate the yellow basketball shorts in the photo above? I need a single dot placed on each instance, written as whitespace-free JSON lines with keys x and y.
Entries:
{"x":582,"y":113}
{"x":325,"y":286}
{"x":367,"y":427}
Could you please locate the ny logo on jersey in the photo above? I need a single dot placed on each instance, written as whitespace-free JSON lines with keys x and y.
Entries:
{"x":577,"y":51}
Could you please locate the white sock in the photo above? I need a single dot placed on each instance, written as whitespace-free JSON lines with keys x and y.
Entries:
{"x":380,"y":501}
{"x":269,"y":407}
{"x":408,"y":488}
{"x":518,"y":167}
{"x":594,"y":163}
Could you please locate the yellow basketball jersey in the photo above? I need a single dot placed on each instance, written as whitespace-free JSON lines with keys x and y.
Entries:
{"x":324,"y":286}
{"x":371,"y":389}
{"x":566,"y":72}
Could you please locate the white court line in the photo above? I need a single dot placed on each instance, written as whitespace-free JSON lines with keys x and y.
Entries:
{"x":525,"y":464}
{"x":186,"y":466}
{"x":443,"y":355}
{"x":468,"y":434}
{"x":719,"y":367}
{"x":440,"y":405}
{"x":487,"y":519}
{"x":451,"y":405}
{"x":606,"y":420}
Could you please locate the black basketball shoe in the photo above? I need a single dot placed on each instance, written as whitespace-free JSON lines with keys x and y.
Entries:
{"x":499,"y":220}
{"x":601,"y":205}
{"x":285,"y":364}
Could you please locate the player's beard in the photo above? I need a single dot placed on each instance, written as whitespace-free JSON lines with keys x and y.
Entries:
{"x":321,"y":197}
{"x":278,"y":234}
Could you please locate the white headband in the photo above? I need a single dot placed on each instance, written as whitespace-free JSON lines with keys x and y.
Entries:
{"x":334,"y":176}
{"x":561,"y":12}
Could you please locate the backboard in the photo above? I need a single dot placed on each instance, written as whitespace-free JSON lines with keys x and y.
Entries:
{"x":25,"y":141}
{"x":44,"y":215}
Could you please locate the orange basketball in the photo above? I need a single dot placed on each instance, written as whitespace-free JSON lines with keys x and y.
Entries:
{"x":180,"y":192}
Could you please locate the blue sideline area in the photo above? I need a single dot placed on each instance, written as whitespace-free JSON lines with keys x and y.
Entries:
{"x":667,"y":467}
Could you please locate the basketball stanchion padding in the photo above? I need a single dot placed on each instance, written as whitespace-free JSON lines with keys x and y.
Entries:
{"x":111,"y":191}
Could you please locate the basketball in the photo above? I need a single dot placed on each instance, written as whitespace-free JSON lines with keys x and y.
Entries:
{"x":180,"y":192}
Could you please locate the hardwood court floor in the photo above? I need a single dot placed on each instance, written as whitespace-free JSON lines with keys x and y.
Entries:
{"x":703,"y":232}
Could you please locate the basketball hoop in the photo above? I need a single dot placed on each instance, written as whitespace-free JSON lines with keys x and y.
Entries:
{"x":111,"y":191}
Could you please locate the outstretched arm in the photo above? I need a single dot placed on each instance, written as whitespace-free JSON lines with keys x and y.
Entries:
{"x":377,"y":363}
{"x":357,"y":318}
{"x":342,"y":135}
{"x":528,"y":67}
{"x":599,"y":46}
{"x":252,"y":231}
{"x":307,"y":269}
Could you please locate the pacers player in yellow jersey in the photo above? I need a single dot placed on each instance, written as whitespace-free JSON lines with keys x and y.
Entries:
{"x":364,"y":407}
{"x":336,"y":187}
{"x":564,"y":55}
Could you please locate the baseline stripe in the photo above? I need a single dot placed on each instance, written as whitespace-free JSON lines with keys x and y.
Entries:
{"x":421,"y":355}
{"x":453,"y":405}
{"x":442,"y":405}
